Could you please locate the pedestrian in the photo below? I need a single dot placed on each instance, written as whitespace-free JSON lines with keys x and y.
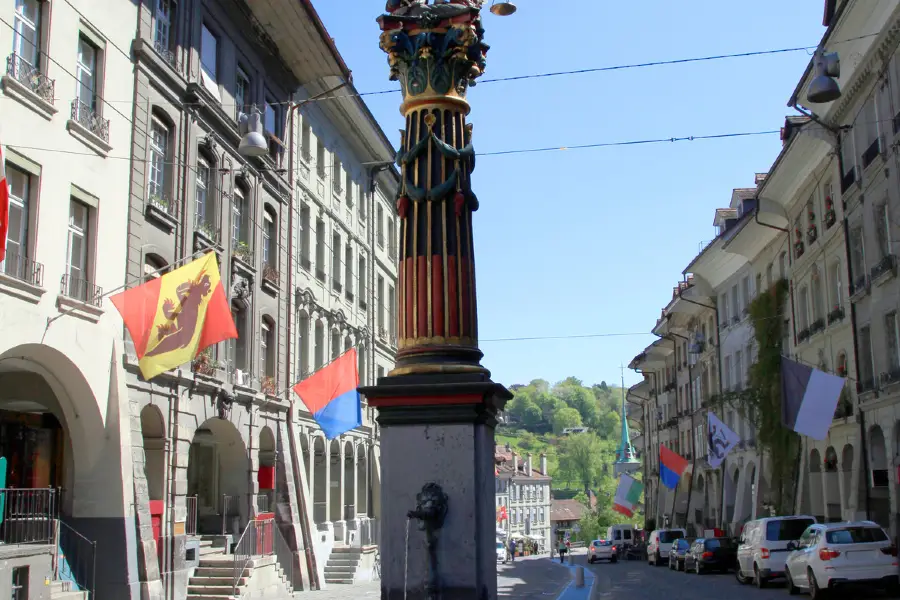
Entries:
{"x":563,"y":549}
{"x":512,"y":550}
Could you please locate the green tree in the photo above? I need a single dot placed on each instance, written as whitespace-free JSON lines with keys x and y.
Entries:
{"x":565,"y":417}
{"x":580,"y":458}
{"x":608,"y":425}
{"x":533,"y":416}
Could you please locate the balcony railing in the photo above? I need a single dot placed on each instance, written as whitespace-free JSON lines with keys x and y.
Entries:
{"x":190,"y":523}
{"x":802,"y":335}
{"x":836,"y":315}
{"x":163,"y":203}
{"x":31,"y":77}
{"x":82,"y":290}
{"x":24,"y":269}
{"x":817,"y":326}
{"x":166,"y":54}
{"x":29,"y":515}
{"x":884,"y":266}
{"x":85,"y":116}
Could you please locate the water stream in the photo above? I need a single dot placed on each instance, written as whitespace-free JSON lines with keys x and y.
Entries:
{"x":406,"y":560}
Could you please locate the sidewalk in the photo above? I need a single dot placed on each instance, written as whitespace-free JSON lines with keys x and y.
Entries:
{"x":527,"y":578}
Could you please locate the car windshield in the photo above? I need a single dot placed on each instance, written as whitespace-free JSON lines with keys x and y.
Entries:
{"x":603,"y":543}
{"x":719,"y":543}
{"x":784,"y":530}
{"x":856,"y":535}
{"x":682,"y":544}
{"x":667,"y":537}
{"x":500,"y":546}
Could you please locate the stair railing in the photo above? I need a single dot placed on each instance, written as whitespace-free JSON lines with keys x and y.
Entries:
{"x":76,"y":559}
{"x":256,"y":540}
{"x":284,"y":556}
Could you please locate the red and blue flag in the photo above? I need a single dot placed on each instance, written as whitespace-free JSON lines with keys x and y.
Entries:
{"x":671,"y":467}
{"x":330,"y":395}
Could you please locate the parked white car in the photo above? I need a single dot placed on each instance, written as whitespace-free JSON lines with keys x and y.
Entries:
{"x":602,"y":550}
{"x":660,"y":544}
{"x":833,"y":555}
{"x":763,"y":547}
{"x":501,"y":552}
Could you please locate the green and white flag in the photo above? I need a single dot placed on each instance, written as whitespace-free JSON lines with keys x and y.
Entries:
{"x":628,"y":495}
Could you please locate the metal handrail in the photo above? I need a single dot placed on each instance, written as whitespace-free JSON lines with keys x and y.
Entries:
{"x":76,"y":558}
{"x":284,"y":556}
{"x":256,"y":540}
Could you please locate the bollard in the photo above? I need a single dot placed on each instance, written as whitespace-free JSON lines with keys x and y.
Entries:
{"x":579,"y":577}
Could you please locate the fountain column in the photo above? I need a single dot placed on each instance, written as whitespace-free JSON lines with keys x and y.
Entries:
{"x":437,"y":408}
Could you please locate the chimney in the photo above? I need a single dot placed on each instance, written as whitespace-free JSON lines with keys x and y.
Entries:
{"x":543,"y":464}
{"x":528,"y":465}
{"x":508,"y":448}
{"x":515,"y":464}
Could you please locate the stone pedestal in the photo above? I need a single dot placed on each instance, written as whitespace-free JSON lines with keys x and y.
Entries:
{"x":438,"y":430}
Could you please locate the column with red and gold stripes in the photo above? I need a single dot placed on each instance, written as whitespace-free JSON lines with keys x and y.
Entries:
{"x":437,"y":313}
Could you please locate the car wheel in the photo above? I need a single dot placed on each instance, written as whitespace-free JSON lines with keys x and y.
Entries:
{"x":737,"y":575}
{"x":757,"y":578}
{"x":792,"y":589}
{"x":657,"y":559}
{"x":697,"y":568}
{"x":814,"y":590}
{"x":614,"y":558}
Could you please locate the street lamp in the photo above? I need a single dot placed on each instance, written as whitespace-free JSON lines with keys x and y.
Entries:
{"x":503,"y":9}
{"x":823,"y":88}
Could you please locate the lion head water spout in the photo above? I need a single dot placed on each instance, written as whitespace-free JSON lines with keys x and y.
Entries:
{"x":431,"y":509}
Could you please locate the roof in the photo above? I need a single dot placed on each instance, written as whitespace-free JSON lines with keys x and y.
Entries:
{"x":566,"y":510}
{"x":503,"y":464}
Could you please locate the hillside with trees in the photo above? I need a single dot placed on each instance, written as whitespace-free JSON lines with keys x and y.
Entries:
{"x":580,"y":463}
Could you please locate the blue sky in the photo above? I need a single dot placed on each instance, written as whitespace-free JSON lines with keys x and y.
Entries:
{"x":592,"y":241}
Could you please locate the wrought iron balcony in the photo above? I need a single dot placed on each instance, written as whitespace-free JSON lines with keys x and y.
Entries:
{"x":802,"y":335}
{"x":85,"y":116}
{"x":166,"y":54}
{"x":31,"y":77}
{"x":81,"y":290}
{"x":884,"y":266}
{"x":817,"y":326}
{"x":836,"y":315}
{"x":865,"y":385}
{"x":24,"y":269}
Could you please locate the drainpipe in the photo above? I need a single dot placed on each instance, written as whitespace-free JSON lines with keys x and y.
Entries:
{"x":715,"y":309}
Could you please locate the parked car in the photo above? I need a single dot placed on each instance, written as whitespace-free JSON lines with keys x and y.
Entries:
{"x":621,"y":535}
{"x":661,"y":543}
{"x":835,"y":555}
{"x":676,"y":555}
{"x":711,"y":554}
{"x":501,"y":552}
{"x":602,"y":550}
{"x":763,"y":547}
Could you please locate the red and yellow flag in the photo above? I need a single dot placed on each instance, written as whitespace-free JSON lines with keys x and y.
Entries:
{"x":174,"y":317}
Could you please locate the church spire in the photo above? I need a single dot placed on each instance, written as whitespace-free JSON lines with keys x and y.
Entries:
{"x":626,"y":461}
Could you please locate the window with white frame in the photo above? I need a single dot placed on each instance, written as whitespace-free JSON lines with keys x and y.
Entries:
{"x":242,"y":93}
{"x":27,"y":32}
{"x":320,"y":249}
{"x":267,"y":348}
{"x":723,"y":308}
{"x":348,"y":188}
{"x":818,"y":302}
{"x":86,"y":74}
{"x":209,"y":53}
{"x":270,"y":237}
{"x":392,"y":321}
{"x":337,"y":173}
{"x":803,"y":309}
{"x":203,"y":211}
{"x":362,"y":277}
{"x":305,"y":237}
{"x":835,"y":295}
{"x":866,"y":366}
{"x":77,"y":251}
{"x":348,"y":270}
{"x":320,"y":160}
{"x":17,"y":241}
{"x":362,"y":202}
{"x":726,"y":374}
{"x":857,"y":253}
{"x":306,"y":141}
{"x":882,"y":229}
{"x":336,"y":261}
{"x":159,"y":153}
{"x":739,"y":370}
{"x":892,"y":342}
{"x":379,"y":228}
{"x":735,"y":303}
{"x":745,"y":292}
{"x":163,"y":19}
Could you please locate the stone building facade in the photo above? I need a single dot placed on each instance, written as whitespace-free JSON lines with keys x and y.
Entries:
{"x":524,"y":488}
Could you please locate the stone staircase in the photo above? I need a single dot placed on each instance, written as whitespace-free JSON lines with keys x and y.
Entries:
{"x":62,"y":590}
{"x":342,"y":565}
{"x":213,"y":579}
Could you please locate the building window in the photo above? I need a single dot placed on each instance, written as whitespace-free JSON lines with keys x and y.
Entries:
{"x":335,"y":344}
{"x":242,"y":93}
{"x":769,"y":276}
{"x":306,"y":141}
{"x":782,"y":265}
{"x":273,"y":126}
{"x":320,"y":250}
{"x":239,"y":345}
{"x":866,"y":367}
{"x":209,"y":53}
{"x":391,"y":244}
{"x":392,"y":320}
{"x":818,"y":303}
{"x":892,"y":341}
{"x":348,"y":270}
{"x":857,"y":254}
{"x":154,"y":267}
{"x":835,"y":297}
{"x":27,"y":32}
{"x":379,"y":216}
{"x":86,"y":74}
{"x":303,"y":347}
{"x":735,"y":304}
{"x":20,"y":577}
{"x":362,"y":202}
{"x":267,"y":348}
{"x":723,"y":308}
{"x":320,"y":161}
{"x":162,"y":27}
{"x":739,"y":370}
{"x":882,"y":229}
{"x":726,"y":374}
{"x":361,"y":364}
{"x":204,"y":212}
{"x":380,"y":304}
{"x":336,"y":175}
{"x":803,"y":309}
{"x":745,"y":292}
{"x":270,"y":236}
{"x":305,"y":235}
{"x":159,"y":153}
{"x":336,"y":261}
{"x":78,"y":278}
{"x":319,"y":342}
{"x":16,"y":262}
{"x":240,"y":217}
{"x":348,"y":188}
{"x":362,"y":278}
{"x":758,"y":285}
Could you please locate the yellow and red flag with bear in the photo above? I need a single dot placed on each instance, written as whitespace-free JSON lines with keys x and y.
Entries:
{"x":175,"y":316}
